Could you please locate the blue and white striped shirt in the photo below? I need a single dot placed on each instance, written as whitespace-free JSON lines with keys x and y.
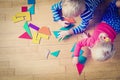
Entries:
{"x":86,"y":15}
{"x":112,"y":17}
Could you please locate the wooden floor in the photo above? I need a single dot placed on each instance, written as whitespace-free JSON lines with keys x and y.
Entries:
{"x":20,"y":59}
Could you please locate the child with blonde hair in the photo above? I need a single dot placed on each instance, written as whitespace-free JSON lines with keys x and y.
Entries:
{"x":73,"y":8}
{"x":101,"y":41}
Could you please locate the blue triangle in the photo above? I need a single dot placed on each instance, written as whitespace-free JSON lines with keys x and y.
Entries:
{"x":32,"y":9}
{"x":56,"y":33}
{"x":67,"y":28}
{"x":55,"y":53}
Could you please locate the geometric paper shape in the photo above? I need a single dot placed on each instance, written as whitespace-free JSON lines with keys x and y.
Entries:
{"x":67,"y":28}
{"x":82,"y":59}
{"x":43,"y":36}
{"x":72,"y":50}
{"x":71,"y":20}
{"x":33,"y":26}
{"x":31,"y":1}
{"x":66,"y":37}
{"x":17,"y":19}
{"x":56,"y":33}
{"x":24,"y":9}
{"x":55,"y":53}
{"x":80,"y":68}
{"x":24,"y":14}
{"x":25,"y":36}
{"x":36,"y":38}
{"x":32,"y":9}
{"x":44,"y":30}
{"x":47,"y":52}
{"x":27,"y":29}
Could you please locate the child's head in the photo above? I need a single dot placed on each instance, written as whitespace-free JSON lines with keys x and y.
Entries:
{"x":72,"y":8}
{"x":103,"y":50}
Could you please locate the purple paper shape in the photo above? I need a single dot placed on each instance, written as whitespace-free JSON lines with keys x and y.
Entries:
{"x":33,"y":26}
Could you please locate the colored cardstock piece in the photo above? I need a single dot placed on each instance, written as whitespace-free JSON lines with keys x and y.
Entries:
{"x":36,"y":38}
{"x":25,"y":36}
{"x":47,"y":53}
{"x":32,"y":9}
{"x":24,"y":9}
{"x":67,"y":28}
{"x":31,"y":1}
{"x":24,"y":14}
{"x":80,"y":68}
{"x":82,"y":59}
{"x":17,"y":19}
{"x":43,"y":36}
{"x":44,"y":30}
{"x":72,"y":50}
{"x":56,"y":53}
{"x":56,"y":33}
{"x":33,"y":26}
{"x":71,"y":20}
{"x":27,"y":29}
{"x":66,"y":37}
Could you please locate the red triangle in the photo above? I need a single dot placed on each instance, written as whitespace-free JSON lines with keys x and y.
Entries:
{"x":80,"y":68}
{"x":25,"y":35}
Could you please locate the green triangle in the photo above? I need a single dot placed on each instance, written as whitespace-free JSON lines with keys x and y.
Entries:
{"x":27,"y":29}
{"x":55,"y":53}
{"x":67,"y":28}
{"x":56,"y":33}
{"x":72,"y":50}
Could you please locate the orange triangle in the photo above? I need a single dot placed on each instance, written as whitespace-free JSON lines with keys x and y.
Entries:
{"x":71,"y":20}
{"x":25,"y":35}
{"x":44,"y":30}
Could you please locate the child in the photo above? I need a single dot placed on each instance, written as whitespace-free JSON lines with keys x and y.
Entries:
{"x":74,"y":8}
{"x":101,"y":42}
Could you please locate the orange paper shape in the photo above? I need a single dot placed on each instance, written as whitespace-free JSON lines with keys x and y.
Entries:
{"x":44,"y":30}
{"x":71,"y":20}
{"x":25,"y":36}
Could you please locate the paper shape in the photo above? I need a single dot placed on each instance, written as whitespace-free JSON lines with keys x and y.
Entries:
{"x":36,"y":38}
{"x":17,"y":19}
{"x":24,"y":9}
{"x":44,"y":30}
{"x":82,"y":59}
{"x":71,"y":20}
{"x":80,"y":68}
{"x":43,"y":36}
{"x":33,"y":26}
{"x":32,"y":9}
{"x":56,"y":33}
{"x":67,"y":28}
{"x":47,"y":53}
{"x":27,"y":29}
{"x":31,"y":1}
{"x":56,"y":53}
{"x":25,"y":36}
{"x":72,"y":50}
{"x":26,"y":15}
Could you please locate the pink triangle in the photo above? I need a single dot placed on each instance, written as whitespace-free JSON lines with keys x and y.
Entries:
{"x":25,"y":35}
{"x":80,"y":68}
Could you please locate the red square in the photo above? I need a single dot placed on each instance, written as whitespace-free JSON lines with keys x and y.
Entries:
{"x":24,"y":9}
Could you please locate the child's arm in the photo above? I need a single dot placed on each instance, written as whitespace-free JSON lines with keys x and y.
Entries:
{"x":56,"y":10}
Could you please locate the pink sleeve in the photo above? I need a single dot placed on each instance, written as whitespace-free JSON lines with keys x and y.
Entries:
{"x":84,"y":42}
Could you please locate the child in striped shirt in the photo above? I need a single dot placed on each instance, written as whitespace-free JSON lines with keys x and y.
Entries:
{"x":101,"y":42}
{"x":73,"y":8}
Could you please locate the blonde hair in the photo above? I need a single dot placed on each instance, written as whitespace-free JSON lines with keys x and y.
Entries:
{"x":102,"y":51}
{"x":72,"y":8}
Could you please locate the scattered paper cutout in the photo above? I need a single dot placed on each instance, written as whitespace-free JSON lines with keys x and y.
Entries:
{"x":25,"y":36}
{"x":55,"y":53}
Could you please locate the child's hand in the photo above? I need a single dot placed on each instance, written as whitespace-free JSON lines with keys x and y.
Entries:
{"x":75,"y":60}
{"x":62,"y":34}
{"x":64,"y":23}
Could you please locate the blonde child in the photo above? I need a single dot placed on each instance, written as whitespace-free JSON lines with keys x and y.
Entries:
{"x":101,"y":42}
{"x":73,"y":8}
